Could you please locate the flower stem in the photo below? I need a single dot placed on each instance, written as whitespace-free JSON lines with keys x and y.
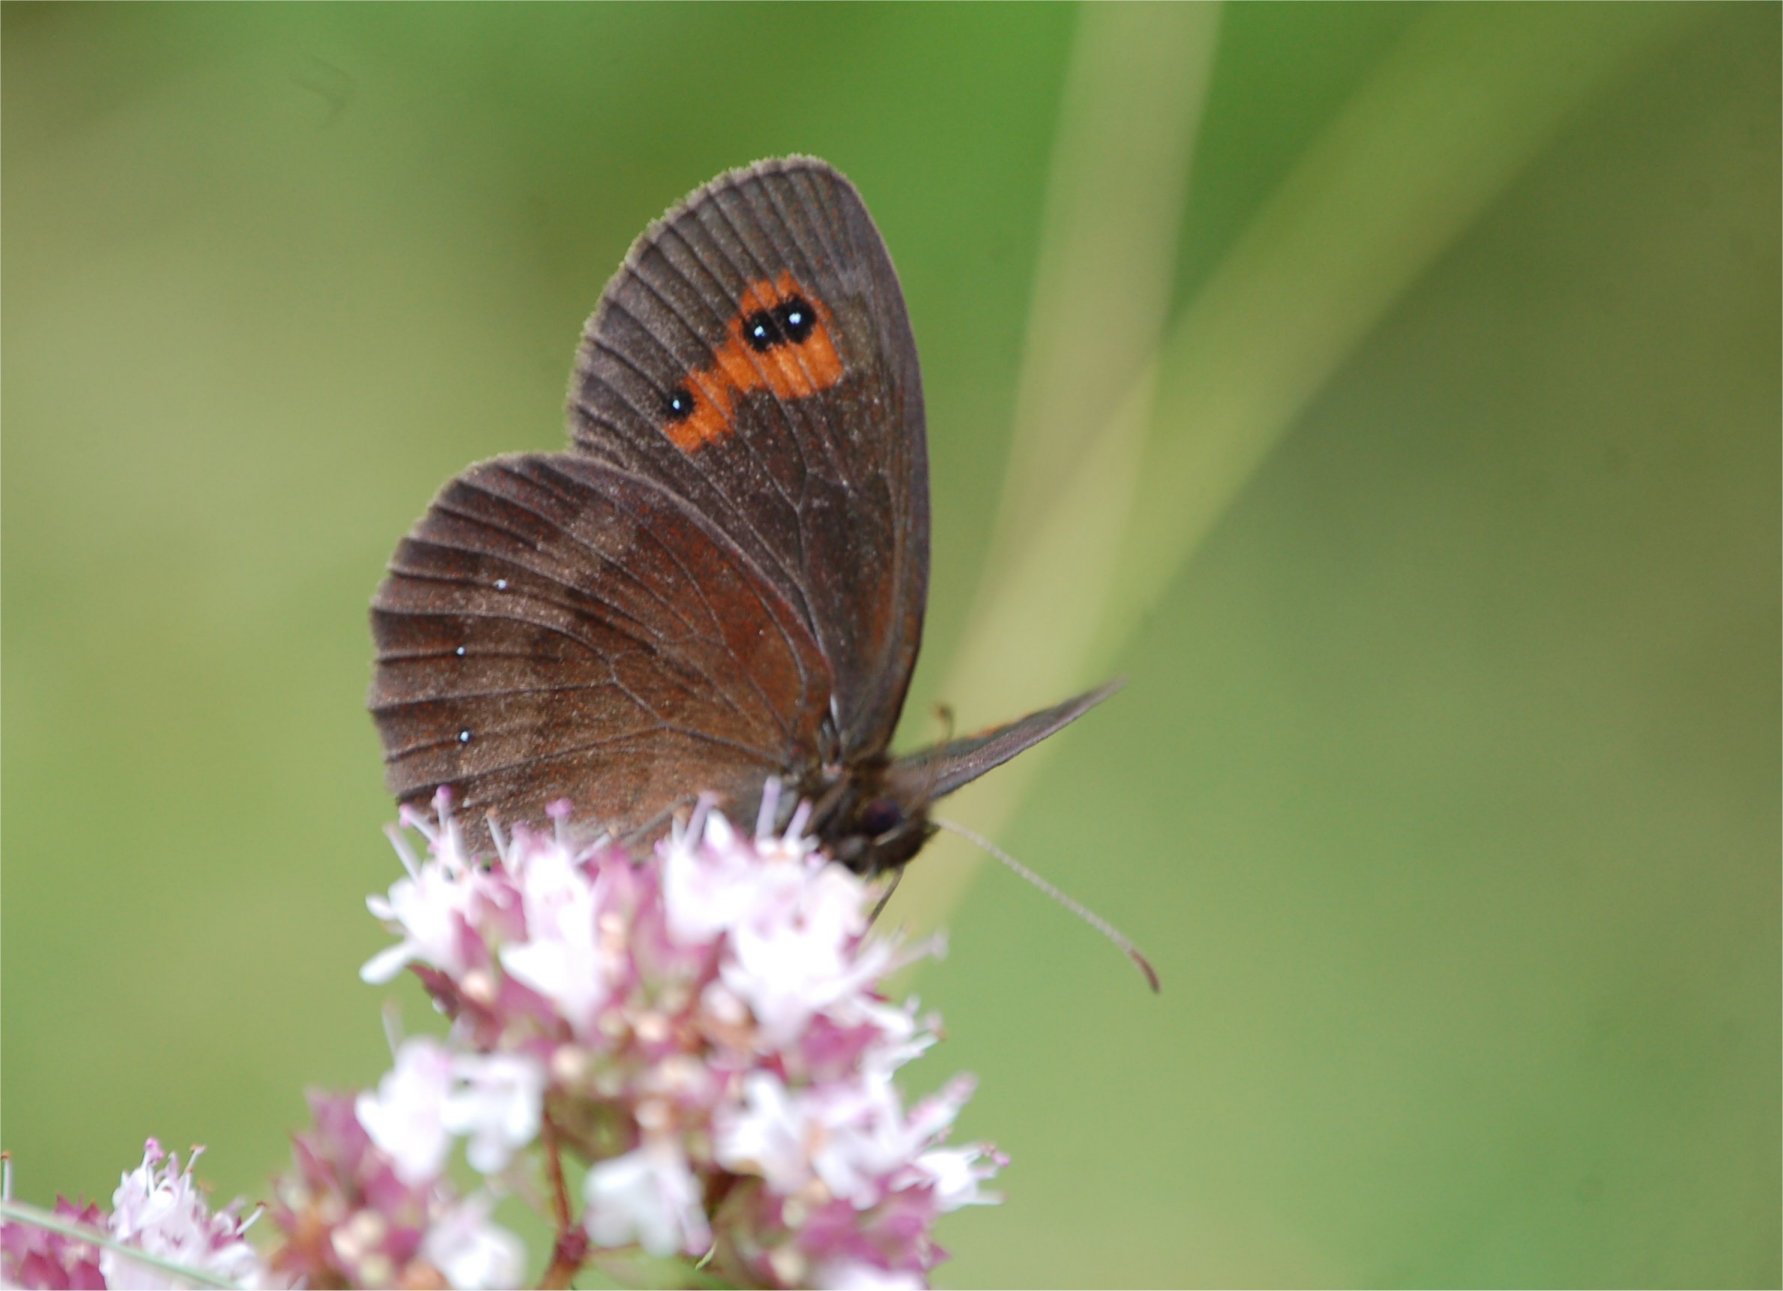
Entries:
{"x":571,"y":1248}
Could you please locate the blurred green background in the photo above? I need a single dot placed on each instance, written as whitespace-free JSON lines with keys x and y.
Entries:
{"x":1440,"y":549}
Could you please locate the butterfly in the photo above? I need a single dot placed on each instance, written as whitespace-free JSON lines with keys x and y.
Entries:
{"x":722,"y":580}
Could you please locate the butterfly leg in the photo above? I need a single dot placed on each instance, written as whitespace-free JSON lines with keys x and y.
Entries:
{"x":897,"y":877}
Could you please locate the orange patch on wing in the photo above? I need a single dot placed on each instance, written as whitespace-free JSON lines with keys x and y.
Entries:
{"x":791,"y":369}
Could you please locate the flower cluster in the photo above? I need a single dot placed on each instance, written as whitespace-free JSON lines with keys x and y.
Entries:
{"x":159,"y":1218}
{"x":692,"y":1045}
{"x":702,"y":1031}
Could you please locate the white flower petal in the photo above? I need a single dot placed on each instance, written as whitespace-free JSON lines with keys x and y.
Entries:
{"x":648,"y":1196}
{"x":766,"y":1136}
{"x":956,"y":1174}
{"x":562,"y":957}
{"x":496,"y":1103}
{"x":855,"y":1275}
{"x":471,"y":1251}
{"x":406,"y":1116}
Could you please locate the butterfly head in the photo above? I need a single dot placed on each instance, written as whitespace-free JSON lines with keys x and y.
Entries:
{"x":867,"y":824}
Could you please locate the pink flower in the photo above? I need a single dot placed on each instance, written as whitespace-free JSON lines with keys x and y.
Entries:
{"x":432,"y":906}
{"x":36,"y":1257}
{"x":703,"y":1028}
{"x":349,"y":1217}
{"x":158,"y":1209}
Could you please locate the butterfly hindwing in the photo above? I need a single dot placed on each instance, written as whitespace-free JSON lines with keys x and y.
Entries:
{"x":555,"y":628}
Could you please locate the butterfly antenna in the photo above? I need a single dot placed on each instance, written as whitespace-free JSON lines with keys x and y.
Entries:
{"x":1076,"y":907}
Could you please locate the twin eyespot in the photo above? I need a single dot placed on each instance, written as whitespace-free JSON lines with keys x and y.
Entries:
{"x":789,"y":322}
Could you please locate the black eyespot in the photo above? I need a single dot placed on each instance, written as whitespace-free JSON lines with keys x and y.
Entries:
{"x":762,"y":330}
{"x":796,"y":319}
{"x":680,"y":403}
{"x":464,"y":737}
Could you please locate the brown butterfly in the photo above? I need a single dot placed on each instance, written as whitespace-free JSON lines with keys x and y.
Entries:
{"x":723,"y":579}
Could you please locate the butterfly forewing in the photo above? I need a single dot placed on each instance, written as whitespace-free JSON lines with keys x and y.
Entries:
{"x":554,"y":628}
{"x":753,"y":357}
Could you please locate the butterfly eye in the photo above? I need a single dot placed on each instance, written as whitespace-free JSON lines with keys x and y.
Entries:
{"x":881,"y":816}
